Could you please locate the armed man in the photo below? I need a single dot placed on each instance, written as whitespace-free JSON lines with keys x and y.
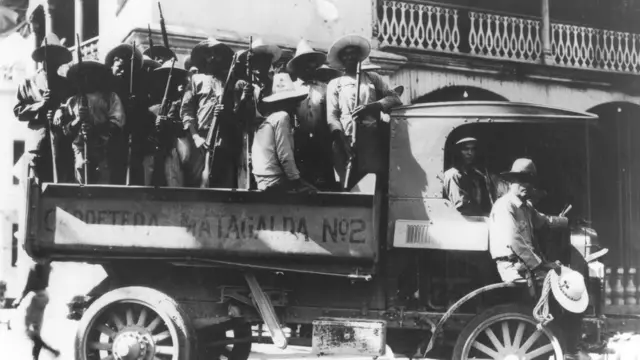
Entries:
{"x":38,"y":98}
{"x":312,"y":138}
{"x":273,"y":159}
{"x":170,"y":152}
{"x":210,"y":121}
{"x":132,"y":153}
{"x":93,"y":118}
{"x":346,"y":117}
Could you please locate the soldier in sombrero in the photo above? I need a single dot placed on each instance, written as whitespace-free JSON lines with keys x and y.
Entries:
{"x":342,"y":114}
{"x":201,"y":101}
{"x":96,"y":111}
{"x":159,"y":53}
{"x":38,"y":98}
{"x":139,"y":120}
{"x":169,"y":132}
{"x":313,"y":143}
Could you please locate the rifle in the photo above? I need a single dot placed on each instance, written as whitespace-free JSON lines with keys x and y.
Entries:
{"x":355,"y":129}
{"x":247,"y":124}
{"x":54,"y":153}
{"x":164,"y":109}
{"x":214,"y":129}
{"x":150,"y":41}
{"x":83,"y":103}
{"x":132,"y":61}
{"x":163,"y":28}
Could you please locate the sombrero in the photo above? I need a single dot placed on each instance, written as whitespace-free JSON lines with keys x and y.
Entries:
{"x":399,"y":90}
{"x":259,"y":46}
{"x":124,"y":51}
{"x":345,"y":41}
{"x":163,"y":72}
{"x":87,"y":66}
{"x":54,"y":50}
{"x":285,"y":89}
{"x":325,"y":73}
{"x":466,"y":140}
{"x":570,"y":290}
{"x":149,"y":63}
{"x":522,"y":170}
{"x":159,"y":51}
{"x":305,"y":54}
{"x":199,"y":52}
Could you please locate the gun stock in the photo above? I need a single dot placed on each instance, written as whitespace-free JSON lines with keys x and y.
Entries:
{"x":150,"y":41}
{"x":54,"y":152}
{"x":246,"y":146}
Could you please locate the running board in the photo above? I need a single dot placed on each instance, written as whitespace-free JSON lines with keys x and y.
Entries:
{"x":266,"y":310}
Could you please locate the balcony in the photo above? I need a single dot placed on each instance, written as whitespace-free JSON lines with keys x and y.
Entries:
{"x":447,"y":29}
{"x":88,"y":48}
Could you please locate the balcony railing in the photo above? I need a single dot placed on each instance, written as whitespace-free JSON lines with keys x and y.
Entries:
{"x":439,"y":28}
{"x":88,"y":48}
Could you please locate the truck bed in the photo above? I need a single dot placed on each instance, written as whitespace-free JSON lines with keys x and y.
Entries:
{"x":98,"y":222}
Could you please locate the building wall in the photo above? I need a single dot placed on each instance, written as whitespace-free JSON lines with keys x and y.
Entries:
{"x":115,"y":24}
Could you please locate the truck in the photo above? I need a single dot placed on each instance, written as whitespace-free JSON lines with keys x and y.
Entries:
{"x":191,"y":272}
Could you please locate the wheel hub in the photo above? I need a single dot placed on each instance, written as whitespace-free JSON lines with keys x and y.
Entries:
{"x":512,"y":357}
{"x":130,"y":346}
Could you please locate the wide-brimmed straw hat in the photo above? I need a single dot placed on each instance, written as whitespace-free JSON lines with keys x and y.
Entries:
{"x":259,"y":46}
{"x":91,"y":67}
{"x":346,"y":41}
{"x":211,"y":45}
{"x":159,"y":51}
{"x":304,"y":55}
{"x":325,"y":73}
{"x":570,"y":290}
{"x":285,"y":89}
{"x":522,"y":170}
{"x":124,"y":51}
{"x":55,"y":50}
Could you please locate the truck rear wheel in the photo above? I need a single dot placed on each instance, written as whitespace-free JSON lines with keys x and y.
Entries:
{"x":134,"y":323}
{"x":506,"y":332}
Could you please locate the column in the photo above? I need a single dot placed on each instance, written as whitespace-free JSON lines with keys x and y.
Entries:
{"x":48,"y":18}
{"x":545,"y":33}
{"x":79,"y":19}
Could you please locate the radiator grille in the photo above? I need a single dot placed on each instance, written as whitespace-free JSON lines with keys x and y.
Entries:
{"x":417,"y":234}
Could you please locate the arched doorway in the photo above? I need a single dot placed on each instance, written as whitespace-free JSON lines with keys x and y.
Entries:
{"x":615,"y":181}
{"x":459,"y":93}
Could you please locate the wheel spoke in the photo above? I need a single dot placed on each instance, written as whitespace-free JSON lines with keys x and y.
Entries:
{"x":143,"y":317}
{"x":532,"y":339}
{"x":117,"y":321}
{"x":161,"y":336}
{"x":494,"y":339}
{"x":506,"y":337}
{"x":485,"y":349}
{"x":518,"y":338}
{"x":94,"y":345}
{"x":110,"y":357}
{"x":539,"y":351}
{"x":154,"y":324}
{"x":164,"y":350}
{"x":106,"y":330}
{"x":129,"y":315}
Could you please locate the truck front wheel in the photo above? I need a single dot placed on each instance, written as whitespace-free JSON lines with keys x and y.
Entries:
{"x":134,"y":323}
{"x":506,"y":332}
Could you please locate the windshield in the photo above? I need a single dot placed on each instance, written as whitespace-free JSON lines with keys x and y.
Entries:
{"x":559,"y":151}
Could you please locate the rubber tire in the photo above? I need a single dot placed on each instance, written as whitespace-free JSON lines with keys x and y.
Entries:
{"x":239,"y":351}
{"x":162,"y":304}
{"x":491,"y":312}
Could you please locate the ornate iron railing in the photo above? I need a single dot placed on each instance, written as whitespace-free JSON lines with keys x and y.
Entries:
{"x":435,"y":27}
{"x":89,"y":49}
